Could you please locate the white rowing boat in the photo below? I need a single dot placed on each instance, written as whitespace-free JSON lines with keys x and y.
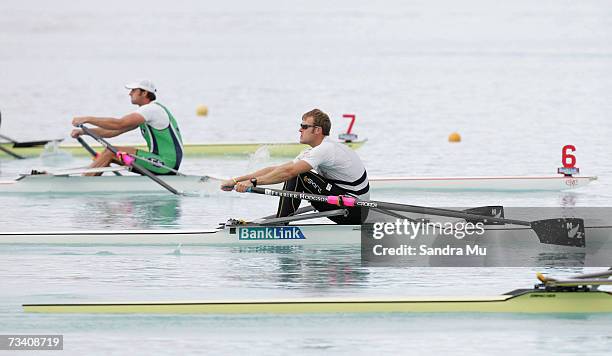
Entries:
{"x":71,"y":181}
{"x":595,"y":240}
{"x":323,"y":234}
{"x":598,"y":237}
{"x":500,"y":247}
{"x":512,"y":242}
{"x":255,"y":234}
{"x":485,"y":183}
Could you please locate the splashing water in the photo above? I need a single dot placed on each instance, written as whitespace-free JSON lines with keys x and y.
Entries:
{"x":53,"y":156}
{"x":259,"y":158}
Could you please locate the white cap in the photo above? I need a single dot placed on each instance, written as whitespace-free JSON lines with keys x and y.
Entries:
{"x":144,"y":85}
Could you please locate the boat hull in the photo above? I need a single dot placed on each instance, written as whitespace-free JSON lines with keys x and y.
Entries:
{"x":598,"y":240}
{"x":322,"y":234}
{"x":529,"y":301}
{"x":58,"y":184}
{"x":492,"y":183}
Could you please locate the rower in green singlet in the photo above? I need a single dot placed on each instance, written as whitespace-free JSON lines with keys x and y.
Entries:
{"x":157,"y":125}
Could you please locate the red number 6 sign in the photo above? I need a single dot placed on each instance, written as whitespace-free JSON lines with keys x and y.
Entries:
{"x":567,"y":159}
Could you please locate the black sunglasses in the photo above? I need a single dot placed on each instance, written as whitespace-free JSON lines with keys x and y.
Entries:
{"x":305,"y":126}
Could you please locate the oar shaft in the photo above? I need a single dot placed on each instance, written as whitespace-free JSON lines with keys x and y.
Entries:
{"x":578,"y":282}
{"x":10,"y":153}
{"x":91,"y":151}
{"x":546,"y":280}
{"x":441,"y":212}
{"x":141,"y":169}
{"x":87,"y":147}
{"x":6,"y":138}
{"x":10,"y":140}
{"x":607,"y":273}
{"x":147,"y":173}
{"x":349,"y":201}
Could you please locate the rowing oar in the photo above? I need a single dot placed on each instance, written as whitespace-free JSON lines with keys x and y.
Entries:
{"x":91,"y":151}
{"x":558,"y":231}
{"x":141,"y":169}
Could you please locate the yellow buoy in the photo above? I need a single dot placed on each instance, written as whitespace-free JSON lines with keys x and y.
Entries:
{"x":202,"y":110}
{"x":454,"y":137}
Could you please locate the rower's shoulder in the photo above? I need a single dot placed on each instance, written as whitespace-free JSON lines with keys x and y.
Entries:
{"x":324,"y":146}
{"x":149,"y":107}
{"x":152,"y":107}
{"x":329,"y":143}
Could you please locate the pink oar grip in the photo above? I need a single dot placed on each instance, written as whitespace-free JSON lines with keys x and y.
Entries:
{"x":126,"y":158}
{"x":348,"y":201}
{"x":341,"y":200}
{"x":333,"y":200}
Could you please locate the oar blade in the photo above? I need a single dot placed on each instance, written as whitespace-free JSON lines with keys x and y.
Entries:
{"x":560,"y":231}
{"x":24,"y":144}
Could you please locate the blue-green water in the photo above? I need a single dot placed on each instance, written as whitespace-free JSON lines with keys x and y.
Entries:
{"x":518,"y":80}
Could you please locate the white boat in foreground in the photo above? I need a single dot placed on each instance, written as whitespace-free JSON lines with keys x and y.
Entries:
{"x":255,"y":234}
{"x":504,"y":246}
{"x":598,"y":237}
{"x":323,"y":234}
{"x":543,"y":235}
{"x":439,"y":242}
{"x":71,"y":181}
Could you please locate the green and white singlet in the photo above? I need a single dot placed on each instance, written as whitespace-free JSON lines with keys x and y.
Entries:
{"x":161,"y":132}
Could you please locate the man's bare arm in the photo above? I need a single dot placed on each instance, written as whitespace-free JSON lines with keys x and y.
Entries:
{"x":283,"y":172}
{"x":124,"y":124}
{"x":230,"y":183}
{"x":258,"y":173}
{"x":98,"y":131}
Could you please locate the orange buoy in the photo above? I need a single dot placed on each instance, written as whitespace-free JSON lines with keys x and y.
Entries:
{"x":202,"y":110}
{"x":454,"y":137}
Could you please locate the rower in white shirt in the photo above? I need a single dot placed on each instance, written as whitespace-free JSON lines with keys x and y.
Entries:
{"x":327,"y":168}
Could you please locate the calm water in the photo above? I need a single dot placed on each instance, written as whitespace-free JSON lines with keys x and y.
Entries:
{"x":517,"y":80}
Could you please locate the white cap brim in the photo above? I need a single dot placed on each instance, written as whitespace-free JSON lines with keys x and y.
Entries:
{"x":143,"y":84}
